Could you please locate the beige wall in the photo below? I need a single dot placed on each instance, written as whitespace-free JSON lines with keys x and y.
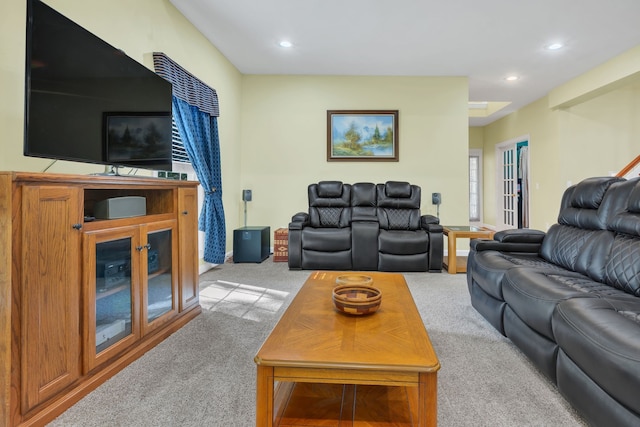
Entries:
{"x":596,"y":134}
{"x":476,"y":138}
{"x":602,"y":134}
{"x":284,"y":140}
{"x":538,"y":123}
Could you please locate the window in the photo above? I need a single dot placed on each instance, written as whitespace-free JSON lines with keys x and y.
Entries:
{"x":475,"y":185}
{"x":178,"y":153}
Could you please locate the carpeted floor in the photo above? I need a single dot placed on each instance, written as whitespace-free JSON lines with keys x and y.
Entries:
{"x":204,"y":374}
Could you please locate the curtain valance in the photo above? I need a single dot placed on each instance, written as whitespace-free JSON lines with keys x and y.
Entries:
{"x":186,"y":86}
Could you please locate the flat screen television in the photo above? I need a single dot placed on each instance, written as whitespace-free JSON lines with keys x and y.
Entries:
{"x":87,"y":101}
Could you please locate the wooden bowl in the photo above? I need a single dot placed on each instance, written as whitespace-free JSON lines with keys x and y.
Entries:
{"x":356,"y":299}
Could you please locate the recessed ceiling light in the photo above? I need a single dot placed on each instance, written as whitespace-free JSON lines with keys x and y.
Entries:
{"x":479,"y":105}
{"x":555,"y":46}
{"x":511,"y":78}
{"x":285,"y":43}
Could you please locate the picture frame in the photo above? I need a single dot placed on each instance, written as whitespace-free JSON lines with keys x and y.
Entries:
{"x":362,"y":135}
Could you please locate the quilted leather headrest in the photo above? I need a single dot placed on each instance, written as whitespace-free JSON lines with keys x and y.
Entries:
{"x":585,"y":207}
{"x":628,"y":221}
{"x":330,"y":189}
{"x":363,"y":194}
{"x":588,"y":193}
{"x":397,"y":189}
{"x":634,"y":200}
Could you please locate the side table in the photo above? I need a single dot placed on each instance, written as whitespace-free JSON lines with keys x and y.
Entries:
{"x":455,"y":264}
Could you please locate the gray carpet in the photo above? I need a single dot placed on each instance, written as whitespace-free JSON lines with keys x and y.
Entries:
{"x":204,"y":375}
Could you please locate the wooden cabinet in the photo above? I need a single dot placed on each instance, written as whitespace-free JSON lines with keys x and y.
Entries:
{"x":50,"y":297}
{"x":81,"y":300}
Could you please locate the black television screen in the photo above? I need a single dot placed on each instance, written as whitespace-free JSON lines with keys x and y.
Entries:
{"x":137,"y":137}
{"x":80,"y":91}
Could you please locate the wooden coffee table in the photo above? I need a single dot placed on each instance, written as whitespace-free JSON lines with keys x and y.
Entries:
{"x":324,"y":364}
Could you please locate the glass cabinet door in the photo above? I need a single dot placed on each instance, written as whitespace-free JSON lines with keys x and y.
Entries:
{"x":114,"y":310}
{"x":159,"y":289}
{"x":160,"y":286}
{"x":112,"y":284}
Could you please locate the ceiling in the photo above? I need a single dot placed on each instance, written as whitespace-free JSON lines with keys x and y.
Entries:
{"x":485,"y":41}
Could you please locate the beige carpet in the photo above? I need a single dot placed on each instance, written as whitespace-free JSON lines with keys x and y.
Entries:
{"x":204,"y":375}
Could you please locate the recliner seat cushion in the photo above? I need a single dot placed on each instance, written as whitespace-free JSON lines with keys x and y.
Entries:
{"x":488,"y":268}
{"x":602,"y":337}
{"x":533,"y":294}
{"x":326,"y":239}
{"x":403,"y":242}
{"x":594,"y":404}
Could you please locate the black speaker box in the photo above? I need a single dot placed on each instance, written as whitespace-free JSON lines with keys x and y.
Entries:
{"x":251,"y":244}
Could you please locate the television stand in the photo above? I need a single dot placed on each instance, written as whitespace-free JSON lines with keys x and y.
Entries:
{"x":80,"y":299}
{"x":113,"y":171}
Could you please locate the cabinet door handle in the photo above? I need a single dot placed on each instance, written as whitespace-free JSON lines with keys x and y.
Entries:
{"x":185,"y":212}
{"x":147,"y":246}
{"x":77,"y":226}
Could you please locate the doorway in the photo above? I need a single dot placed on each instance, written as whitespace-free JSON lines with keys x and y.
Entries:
{"x":512,"y":179}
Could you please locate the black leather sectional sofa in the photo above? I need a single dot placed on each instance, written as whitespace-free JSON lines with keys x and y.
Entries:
{"x":365,"y":226}
{"x":570,"y":298}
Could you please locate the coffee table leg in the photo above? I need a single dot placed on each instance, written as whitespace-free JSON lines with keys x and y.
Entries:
{"x":264,"y":396}
{"x":428,"y":400}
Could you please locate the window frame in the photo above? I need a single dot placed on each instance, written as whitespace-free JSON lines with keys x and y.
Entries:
{"x":476,"y":153}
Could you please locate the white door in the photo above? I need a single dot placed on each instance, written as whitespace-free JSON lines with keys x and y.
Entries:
{"x":509,"y":172}
{"x":508,"y":196}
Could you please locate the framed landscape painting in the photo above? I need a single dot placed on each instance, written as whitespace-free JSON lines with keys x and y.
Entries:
{"x":362,"y":135}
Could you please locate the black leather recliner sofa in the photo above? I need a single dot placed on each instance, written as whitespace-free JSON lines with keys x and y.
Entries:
{"x":365,"y":226}
{"x":570,"y":298}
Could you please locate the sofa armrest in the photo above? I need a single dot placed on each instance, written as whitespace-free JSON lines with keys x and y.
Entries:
{"x":480,"y":245}
{"x":429,"y":219}
{"x":298,"y":221}
{"x":364,"y":242}
{"x":430,"y":223}
{"x":520,"y":240}
{"x":521,"y":235}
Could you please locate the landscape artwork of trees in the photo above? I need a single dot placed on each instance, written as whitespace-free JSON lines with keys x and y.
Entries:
{"x":362,"y":135}
{"x":139,"y":137}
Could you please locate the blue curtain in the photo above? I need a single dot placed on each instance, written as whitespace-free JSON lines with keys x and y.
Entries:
{"x":199,"y":133}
